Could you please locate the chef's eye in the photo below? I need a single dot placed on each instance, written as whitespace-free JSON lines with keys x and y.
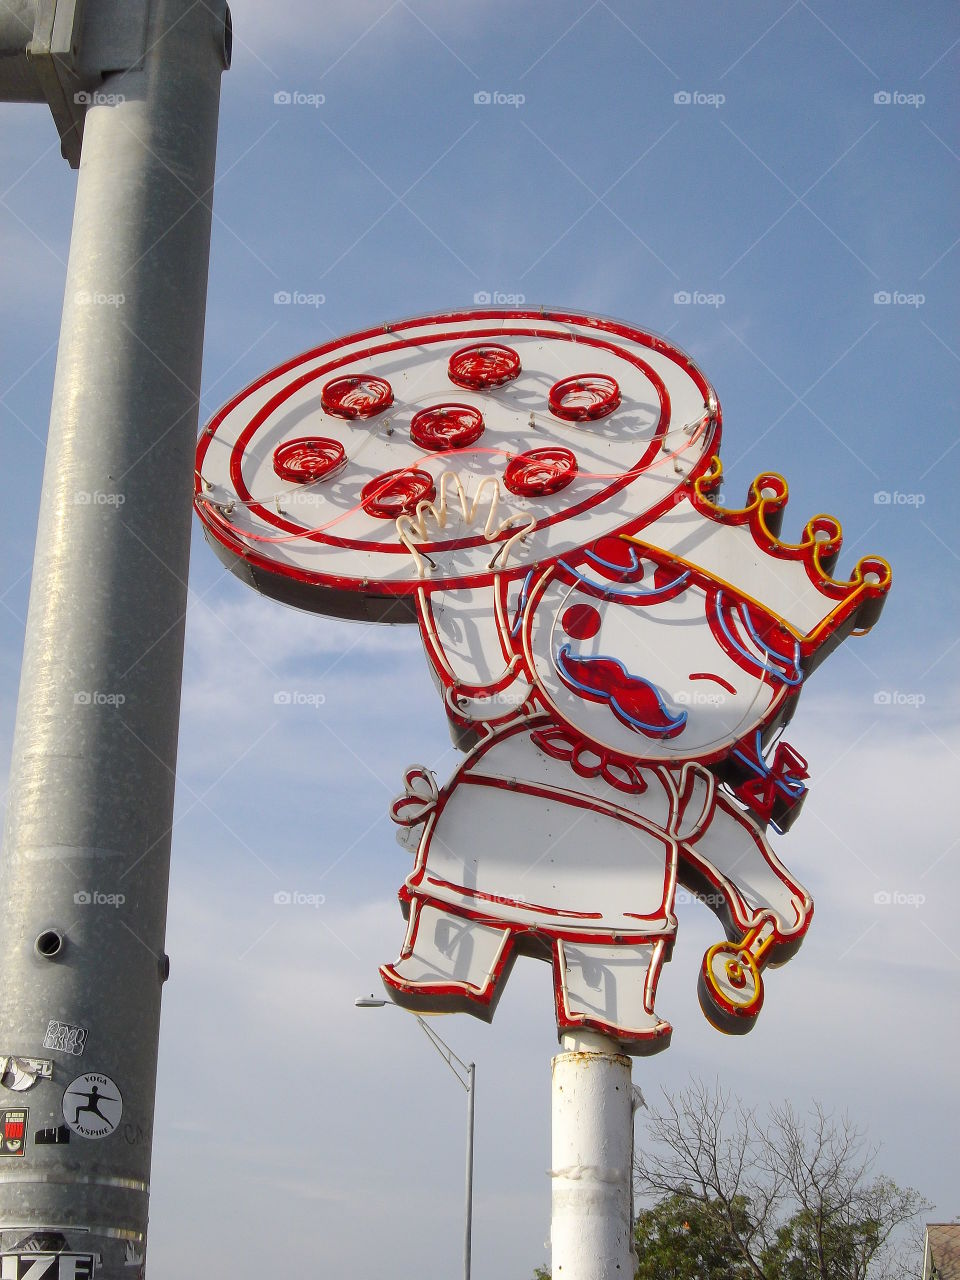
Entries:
{"x":706,"y":675}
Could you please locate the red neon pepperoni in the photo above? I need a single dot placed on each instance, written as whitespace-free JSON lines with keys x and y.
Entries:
{"x":541,"y":471}
{"x":311,"y":458}
{"x":588,"y":395}
{"x":446,"y":426}
{"x":582,"y":621}
{"x":356,"y":397}
{"x":396,"y":493}
{"x":485,"y":364}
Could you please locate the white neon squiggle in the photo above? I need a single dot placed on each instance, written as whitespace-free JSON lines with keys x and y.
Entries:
{"x":414,"y":526}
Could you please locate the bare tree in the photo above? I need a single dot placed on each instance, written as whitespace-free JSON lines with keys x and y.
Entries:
{"x":797,"y":1195}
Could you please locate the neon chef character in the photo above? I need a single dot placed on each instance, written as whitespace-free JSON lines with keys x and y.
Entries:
{"x":642,"y":695}
{"x":617,"y":654}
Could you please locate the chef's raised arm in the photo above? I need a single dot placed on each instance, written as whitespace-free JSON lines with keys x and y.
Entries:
{"x":469,"y":636}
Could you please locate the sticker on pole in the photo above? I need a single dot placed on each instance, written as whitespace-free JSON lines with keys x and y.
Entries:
{"x":65,"y":1037}
{"x":47,"y":1266}
{"x":92,"y":1106}
{"x":52,"y":1136}
{"x":13,"y":1131}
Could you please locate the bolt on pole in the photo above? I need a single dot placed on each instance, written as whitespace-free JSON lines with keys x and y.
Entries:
{"x":85,"y":862}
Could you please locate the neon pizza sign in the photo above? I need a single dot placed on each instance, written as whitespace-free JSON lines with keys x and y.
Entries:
{"x":617,"y":653}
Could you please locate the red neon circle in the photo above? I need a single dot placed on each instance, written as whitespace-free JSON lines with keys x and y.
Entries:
{"x":541,"y":471}
{"x":396,"y":492}
{"x":587,"y":395}
{"x":485,"y":364}
{"x":308,"y":459}
{"x":356,"y":397}
{"x":582,"y":621}
{"x":446,"y":426}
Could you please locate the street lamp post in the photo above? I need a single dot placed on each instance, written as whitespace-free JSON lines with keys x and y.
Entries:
{"x":466,"y":1077}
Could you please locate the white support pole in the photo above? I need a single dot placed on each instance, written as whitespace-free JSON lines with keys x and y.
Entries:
{"x":592,"y":1144}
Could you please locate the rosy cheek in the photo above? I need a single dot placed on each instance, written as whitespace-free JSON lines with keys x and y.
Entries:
{"x":581,"y":621}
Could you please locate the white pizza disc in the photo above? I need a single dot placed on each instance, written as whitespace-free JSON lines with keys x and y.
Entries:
{"x":437,"y":451}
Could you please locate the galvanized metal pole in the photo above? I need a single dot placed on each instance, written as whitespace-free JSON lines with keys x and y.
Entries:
{"x":83,"y":878}
{"x":592,"y":1144}
{"x":468,"y":1229}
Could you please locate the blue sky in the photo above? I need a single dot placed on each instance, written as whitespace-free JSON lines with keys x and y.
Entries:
{"x":788,"y":202}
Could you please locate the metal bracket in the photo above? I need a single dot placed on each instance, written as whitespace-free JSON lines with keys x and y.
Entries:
{"x":73,"y":46}
{"x":52,"y":54}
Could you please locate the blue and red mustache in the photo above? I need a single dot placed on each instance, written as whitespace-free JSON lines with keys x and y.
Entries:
{"x":634,"y":701}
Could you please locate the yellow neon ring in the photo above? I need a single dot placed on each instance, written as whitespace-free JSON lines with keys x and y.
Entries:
{"x":738,"y":960}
